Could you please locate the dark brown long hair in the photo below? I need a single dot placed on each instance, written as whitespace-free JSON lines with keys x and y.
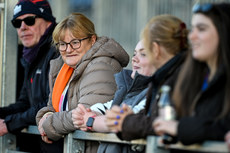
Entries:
{"x":190,"y":78}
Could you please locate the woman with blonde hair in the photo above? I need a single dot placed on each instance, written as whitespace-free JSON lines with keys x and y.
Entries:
{"x":83,"y":72}
{"x":165,"y":39}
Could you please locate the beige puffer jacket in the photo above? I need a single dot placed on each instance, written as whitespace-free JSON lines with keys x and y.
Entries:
{"x":92,"y":82}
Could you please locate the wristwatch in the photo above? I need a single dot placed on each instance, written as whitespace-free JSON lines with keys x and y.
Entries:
{"x":90,"y":121}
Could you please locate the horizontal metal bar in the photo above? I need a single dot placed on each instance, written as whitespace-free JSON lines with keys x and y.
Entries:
{"x":105,"y":137}
{"x":207,"y":146}
{"x":31,"y":130}
{"x":13,"y":151}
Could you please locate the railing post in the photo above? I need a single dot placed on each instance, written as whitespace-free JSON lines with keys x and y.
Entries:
{"x":9,"y":143}
{"x":72,"y":145}
{"x":152,"y":147}
{"x":68,"y":142}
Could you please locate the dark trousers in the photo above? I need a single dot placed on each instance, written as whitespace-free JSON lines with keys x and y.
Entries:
{"x":34,"y":144}
{"x":28,"y":142}
{"x":55,"y":147}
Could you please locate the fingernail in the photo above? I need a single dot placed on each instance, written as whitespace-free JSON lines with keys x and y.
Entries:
{"x":122,"y":111}
{"x":115,"y":123}
{"x":118,"y":117}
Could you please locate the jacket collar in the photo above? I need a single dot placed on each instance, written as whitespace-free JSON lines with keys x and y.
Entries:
{"x":167,"y":69}
{"x":139,"y":82}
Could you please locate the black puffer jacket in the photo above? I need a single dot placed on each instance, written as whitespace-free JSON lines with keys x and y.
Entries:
{"x":35,"y":91}
{"x":139,"y":125}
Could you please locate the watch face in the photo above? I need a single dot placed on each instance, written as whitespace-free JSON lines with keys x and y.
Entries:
{"x":90,"y":121}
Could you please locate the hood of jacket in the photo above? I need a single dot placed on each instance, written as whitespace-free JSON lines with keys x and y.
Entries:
{"x":105,"y":46}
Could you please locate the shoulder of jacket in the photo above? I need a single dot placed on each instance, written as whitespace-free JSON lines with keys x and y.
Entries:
{"x":55,"y":65}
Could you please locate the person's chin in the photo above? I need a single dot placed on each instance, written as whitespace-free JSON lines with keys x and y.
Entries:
{"x":71,"y":64}
{"x":27,"y":44}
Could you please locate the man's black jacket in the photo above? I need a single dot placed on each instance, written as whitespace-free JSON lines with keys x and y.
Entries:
{"x":35,"y":91}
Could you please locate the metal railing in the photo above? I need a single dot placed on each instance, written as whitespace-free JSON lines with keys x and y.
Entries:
{"x":75,"y":143}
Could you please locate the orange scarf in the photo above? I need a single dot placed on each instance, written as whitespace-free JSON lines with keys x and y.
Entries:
{"x":60,"y":84}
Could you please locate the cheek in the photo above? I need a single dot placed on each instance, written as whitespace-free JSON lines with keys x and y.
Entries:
{"x":63,"y":57}
{"x":84,"y":48}
{"x":214,"y":44}
{"x":210,"y":40}
{"x":86,"y":45}
{"x":147,"y":69}
{"x":208,"y":48}
{"x":18,"y":32}
{"x":38,"y":31}
{"x":81,"y":53}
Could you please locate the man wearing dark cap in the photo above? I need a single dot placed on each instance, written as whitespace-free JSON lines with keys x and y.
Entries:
{"x":34,"y":23}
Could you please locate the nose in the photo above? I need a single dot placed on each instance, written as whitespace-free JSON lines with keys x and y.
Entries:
{"x":69,"y":48}
{"x":23,"y":26}
{"x":192,"y":35}
{"x":135,"y":58}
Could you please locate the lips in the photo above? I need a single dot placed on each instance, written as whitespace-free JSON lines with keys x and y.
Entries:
{"x":26,"y":36}
{"x":136,"y":67}
{"x":72,"y":55}
{"x":195,"y":45}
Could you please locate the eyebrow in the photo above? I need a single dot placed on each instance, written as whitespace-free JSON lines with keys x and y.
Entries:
{"x":142,"y":49}
{"x":200,"y":25}
{"x":66,"y":42}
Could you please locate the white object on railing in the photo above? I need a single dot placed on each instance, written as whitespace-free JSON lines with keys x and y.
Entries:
{"x":2,"y":6}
